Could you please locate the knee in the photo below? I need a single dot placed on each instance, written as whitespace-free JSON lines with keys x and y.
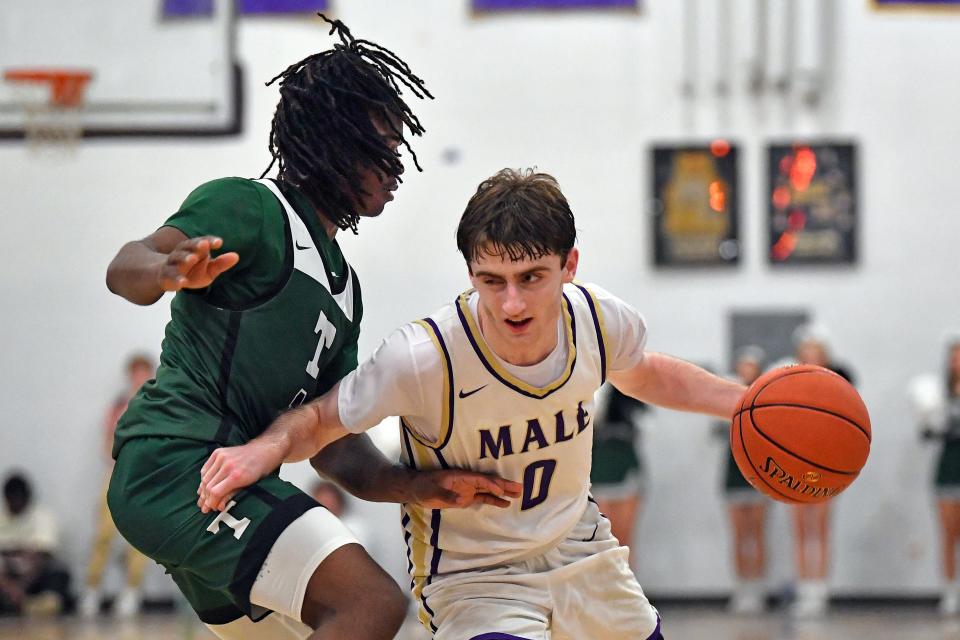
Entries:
{"x":376,"y":606}
{"x":389,"y":603}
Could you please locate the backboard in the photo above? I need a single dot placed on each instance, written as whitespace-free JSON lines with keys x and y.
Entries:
{"x":150,"y":74}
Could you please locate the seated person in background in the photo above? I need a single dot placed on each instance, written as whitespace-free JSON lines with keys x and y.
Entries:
{"x":617,"y":475}
{"x":31,"y":581}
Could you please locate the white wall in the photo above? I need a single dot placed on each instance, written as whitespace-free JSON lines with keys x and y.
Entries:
{"x":581,"y":96}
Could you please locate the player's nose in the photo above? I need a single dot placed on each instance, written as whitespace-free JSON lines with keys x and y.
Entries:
{"x":513,"y":303}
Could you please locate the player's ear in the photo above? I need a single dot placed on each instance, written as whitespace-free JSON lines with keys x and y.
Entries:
{"x":569,"y":268}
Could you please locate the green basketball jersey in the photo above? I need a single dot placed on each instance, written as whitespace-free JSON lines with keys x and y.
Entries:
{"x":279,"y":330}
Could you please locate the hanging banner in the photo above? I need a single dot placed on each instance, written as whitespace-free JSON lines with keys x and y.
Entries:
{"x":812,"y":203}
{"x":695,"y":206}
{"x":917,"y":4}
{"x":199,"y":8}
{"x":522,"y":5}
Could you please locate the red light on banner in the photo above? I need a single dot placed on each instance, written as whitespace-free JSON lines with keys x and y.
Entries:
{"x":781,"y":197}
{"x":720,"y":148}
{"x":718,"y":196}
{"x":797,"y":220}
{"x":804,"y":166}
{"x":784,"y":246}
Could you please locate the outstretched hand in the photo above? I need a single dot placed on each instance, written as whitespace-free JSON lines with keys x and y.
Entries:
{"x":455,"y":488}
{"x":230,"y":469}
{"x":190,"y":265}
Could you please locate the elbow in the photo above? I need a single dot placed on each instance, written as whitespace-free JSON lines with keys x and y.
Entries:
{"x":111,"y":279}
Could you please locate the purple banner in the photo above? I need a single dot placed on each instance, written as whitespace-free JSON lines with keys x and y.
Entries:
{"x":200,"y":8}
{"x":187,"y":8}
{"x":254,"y":7}
{"x":916,"y":4}
{"x":515,"y":5}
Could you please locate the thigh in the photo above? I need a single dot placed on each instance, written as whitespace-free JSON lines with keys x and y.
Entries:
{"x":599,"y":598}
{"x":594,"y":593}
{"x":214,"y":557}
{"x":299,"y":557}
{"x":488,"y":605}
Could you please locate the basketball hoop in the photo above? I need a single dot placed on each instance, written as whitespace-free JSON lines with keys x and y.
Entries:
{"x":52,"y":102}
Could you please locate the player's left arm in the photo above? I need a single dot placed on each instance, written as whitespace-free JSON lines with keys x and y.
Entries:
{"x":357,"y":465}
{"x":669,"y":382}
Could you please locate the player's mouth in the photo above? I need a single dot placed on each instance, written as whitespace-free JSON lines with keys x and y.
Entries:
{"x":518,"y":326}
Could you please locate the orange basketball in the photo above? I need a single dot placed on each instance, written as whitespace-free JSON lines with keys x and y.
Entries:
{"x":801,"y":434}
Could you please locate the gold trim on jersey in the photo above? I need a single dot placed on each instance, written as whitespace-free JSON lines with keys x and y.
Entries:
{"x":598,"y":316}
{"x":446,"y":413}
{"x":492,"y":362}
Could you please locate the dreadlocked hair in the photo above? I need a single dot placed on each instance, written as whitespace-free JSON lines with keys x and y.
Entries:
{"x":322,"y":135}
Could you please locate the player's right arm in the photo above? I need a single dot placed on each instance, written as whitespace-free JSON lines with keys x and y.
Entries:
{"x":166,"y":260}
{"x":296,"y":435}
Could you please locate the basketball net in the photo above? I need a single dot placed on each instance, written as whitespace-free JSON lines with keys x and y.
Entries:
{"x":52,"y":102}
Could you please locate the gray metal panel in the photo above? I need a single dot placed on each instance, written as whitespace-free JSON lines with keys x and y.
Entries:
{"x":768,"y":329}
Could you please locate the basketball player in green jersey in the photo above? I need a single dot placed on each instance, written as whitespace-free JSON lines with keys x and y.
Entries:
{"x":266,"y":317}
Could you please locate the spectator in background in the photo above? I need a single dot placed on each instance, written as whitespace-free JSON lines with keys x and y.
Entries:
{"x":811,"y":522}
{"x":617,"y":474}
{"x":937,"y":402}
{"x":747,"y":507}
{"x":140,"y":367}
{"x":31,"y":579}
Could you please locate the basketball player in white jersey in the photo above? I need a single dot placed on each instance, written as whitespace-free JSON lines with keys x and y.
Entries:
{"x":502,"y":380}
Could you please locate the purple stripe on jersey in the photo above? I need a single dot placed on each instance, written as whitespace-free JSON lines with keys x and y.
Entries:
{"x":412,"y":462}
{"x":435,"y":542}
{"x":449,"y":363}
{"x":406,"y":540}
{"x":493,"y":372}
{"x":596,"y":325}
{"x":497,"y":636}
{"x":426,"y":607}
{"x":441,"y":459}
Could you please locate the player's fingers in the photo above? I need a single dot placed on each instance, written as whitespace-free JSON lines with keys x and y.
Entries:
{"x":510,"y":488}
{"x":211,"y":467}
{"x":486,"y":498}
{"x":221,"y":263}
{"x":485,"y":484}
{"x":222,"y":506}
{"x":215,"y":488}
{"x":211,"y":461}
{"x":497,"y":486}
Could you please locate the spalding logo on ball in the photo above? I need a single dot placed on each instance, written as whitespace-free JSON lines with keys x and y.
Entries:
{"x":801,"y":434}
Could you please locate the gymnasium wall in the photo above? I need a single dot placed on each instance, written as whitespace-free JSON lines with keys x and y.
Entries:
{"x":581,"y":96}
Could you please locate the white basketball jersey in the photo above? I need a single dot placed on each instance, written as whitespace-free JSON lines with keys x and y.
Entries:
{"x":493,"y":422}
